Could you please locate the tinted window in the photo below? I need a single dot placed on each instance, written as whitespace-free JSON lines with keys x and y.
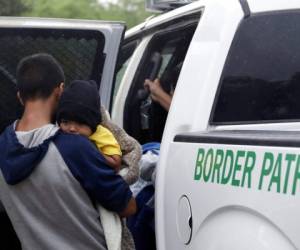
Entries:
{"x":261,"y":78}
{"x":79,"y":52}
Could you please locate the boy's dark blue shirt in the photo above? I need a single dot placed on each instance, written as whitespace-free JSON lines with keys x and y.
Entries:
{"x":82,"y":158}
{"x":89,"y":167}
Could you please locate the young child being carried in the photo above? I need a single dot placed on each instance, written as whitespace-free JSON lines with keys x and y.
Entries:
{"x":79,"y":112}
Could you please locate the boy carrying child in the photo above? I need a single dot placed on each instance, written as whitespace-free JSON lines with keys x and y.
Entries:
{"x":79,"y":113}
{"x":50,"y":180}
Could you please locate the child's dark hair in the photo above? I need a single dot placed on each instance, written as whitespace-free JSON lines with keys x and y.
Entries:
{"x":80,"y":102}
{"x":38,"y":75}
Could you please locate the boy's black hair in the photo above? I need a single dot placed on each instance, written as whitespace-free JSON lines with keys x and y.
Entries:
{"x":38,"y":75}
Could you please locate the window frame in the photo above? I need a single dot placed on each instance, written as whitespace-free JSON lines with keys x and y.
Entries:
{"x":115,"y":87}
{"x":137,"y":82}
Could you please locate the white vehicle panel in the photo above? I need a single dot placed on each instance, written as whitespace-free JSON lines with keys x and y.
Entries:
{"x":181,"y":12}
{"x":195,"y":90}
{"x":282,"y":126}
{"x":256,"y":197}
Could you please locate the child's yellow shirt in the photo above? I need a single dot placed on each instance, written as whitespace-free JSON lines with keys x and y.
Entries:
{"x":105,"y":141}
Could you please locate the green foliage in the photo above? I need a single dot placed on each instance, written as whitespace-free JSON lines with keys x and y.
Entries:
{"x":130,"y":11}
{"x":63,"y":8}
{"x":12,"y":7}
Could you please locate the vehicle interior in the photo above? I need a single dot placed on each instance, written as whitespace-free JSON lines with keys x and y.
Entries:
{"x":163,"y":59}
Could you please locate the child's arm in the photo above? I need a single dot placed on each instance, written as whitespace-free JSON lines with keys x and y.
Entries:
{"x":108,"y":147}
{"x":131,"y":149}
{"x":113,"y":161}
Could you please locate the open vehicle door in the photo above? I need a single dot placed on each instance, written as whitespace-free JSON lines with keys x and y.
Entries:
{"x":86,"y":50}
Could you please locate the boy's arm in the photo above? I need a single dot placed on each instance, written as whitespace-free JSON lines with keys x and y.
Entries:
{"x":99,"y":180}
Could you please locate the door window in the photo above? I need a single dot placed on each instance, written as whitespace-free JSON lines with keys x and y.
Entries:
{"x":79,"y":52}
{"x":261,"y":78}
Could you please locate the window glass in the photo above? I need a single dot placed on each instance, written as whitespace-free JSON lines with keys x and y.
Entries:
{"x":120,"y":75}
{"x":261,"y":77}
{"x":166,"y":57}
{"x":79,"y":52}
{"x":124,"y":58}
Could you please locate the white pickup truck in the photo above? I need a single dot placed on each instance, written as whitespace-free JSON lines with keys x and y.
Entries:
{"x":229,"y":170}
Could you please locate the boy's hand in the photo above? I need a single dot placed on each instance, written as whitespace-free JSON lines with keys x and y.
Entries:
{"x":130,"y":209}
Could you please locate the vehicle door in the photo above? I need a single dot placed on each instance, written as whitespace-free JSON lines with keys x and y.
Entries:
{"x":85,"y":49}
